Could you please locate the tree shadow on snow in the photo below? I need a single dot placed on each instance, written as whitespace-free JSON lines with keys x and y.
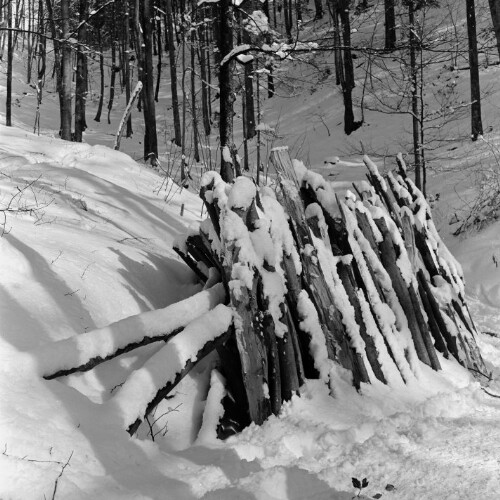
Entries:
{"x":153,"y":279}
{"x":69,"y":305}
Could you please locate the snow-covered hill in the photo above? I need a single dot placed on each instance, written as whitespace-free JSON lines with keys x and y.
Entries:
{"x":89,"y":244}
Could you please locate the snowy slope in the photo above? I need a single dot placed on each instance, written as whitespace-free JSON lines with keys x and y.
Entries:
{"x":101,"y":251}
{"x":92,"y":246}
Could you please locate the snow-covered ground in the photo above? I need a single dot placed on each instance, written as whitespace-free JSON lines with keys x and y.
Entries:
{"x":96,"y":248}
{"x":88,"y":242}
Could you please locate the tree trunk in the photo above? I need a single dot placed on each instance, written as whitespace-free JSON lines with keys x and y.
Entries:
{"x":67,"y":74}
{"x":173,"y":74}
{"x":475,"y":92}
{"x":145,"y":56}
{"x":495,"y":17}
{"x":390,"y":25}
{"x":101,"y":71}
{"x":126,"y":60}
{"x":194,"y":113}
{"x":10,"y":55}
{"x":57,"y":59}
{"x":159,"y":51}
{"x":414,"y":96}
{"x":81,"y":74}
{"x":227,"y":96}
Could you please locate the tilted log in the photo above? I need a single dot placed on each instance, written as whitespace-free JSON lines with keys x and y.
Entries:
{"x":146,"y":387}
{"x":85,"y":351}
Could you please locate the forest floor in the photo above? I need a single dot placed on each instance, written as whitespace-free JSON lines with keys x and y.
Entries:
{"x":89,"y":242}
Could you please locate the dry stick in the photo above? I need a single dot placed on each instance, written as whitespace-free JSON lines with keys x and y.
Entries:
{"x":164,"y":391}
{"x":126,"y":114}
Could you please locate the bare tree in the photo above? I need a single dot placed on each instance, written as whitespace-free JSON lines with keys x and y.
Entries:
{"x":67,"y":74}
{"x":475,"y":91}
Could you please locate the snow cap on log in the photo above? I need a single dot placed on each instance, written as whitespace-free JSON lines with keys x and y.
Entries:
{"x":242,"y":194}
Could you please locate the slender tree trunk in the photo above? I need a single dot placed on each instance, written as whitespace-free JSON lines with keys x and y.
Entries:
{"x":81,"y":75}
{"x":67,"y":74}
{"x":414,"y":96}
{"x":249,"y":116}
{"x":101,"y":72}
{"x":475,"y":91}
{"x":350,"y":125}
{"x":150,"y":137}
{"x":227,"y":96}
{"x":204,"y":60}
{"x":57,"y":59}
{"x":159,"y":51}
{"x":30,"y":46}
{"x":318,"y":5}
{"x":495,"y":17}
{"x":10,"y":55}
{"x":390,"y":25}
{"x":194,"y":113}
{"x":126,"y":61}
{"x":173,"y":74}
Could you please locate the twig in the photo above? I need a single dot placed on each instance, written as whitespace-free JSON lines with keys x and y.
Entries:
{"x":60,"y":475}
{"x":490,"y":394}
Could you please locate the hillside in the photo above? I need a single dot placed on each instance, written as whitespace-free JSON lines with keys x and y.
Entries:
{"x":88,"y":236}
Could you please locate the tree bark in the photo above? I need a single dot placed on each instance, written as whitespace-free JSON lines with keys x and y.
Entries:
{"x":67,"y":74}
{"x":173,"y":74}
{"x":475,"y":91}
{"x":390,"y":25}
{"x":10,"y":55}
{"x":226,"y":91}
{"x":150,"y":137}
{"x":81,"y":74}
{"x":495,"y":17}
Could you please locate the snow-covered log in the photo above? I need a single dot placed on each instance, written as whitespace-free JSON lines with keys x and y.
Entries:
{"x":83,"y":352}
{"x":146,"y":387}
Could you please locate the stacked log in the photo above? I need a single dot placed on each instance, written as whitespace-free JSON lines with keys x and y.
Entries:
{"x":364,"y":283}
{"x":298,"y":284}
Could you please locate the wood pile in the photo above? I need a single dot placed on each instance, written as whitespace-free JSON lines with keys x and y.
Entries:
{"x":364,"y":283}
{"x":299,"y":284}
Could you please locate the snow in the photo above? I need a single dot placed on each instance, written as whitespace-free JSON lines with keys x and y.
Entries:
{"x":100,"y":251}
{"x":102,"y":342}
{"x":161,"y":369}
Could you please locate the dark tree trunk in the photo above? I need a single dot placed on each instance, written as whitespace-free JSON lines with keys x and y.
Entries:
{"x":126,"y":60}
{"x":57,"y":59}
{"x":173,"y":74}
{"x":81,"y":74}
{"x":10,"y":55}
{"x":67,"y":74}
{"x":475,"y":92}
{"x":204,"y":60}
{"x":495,"y":17}
{"x":318,"y":5}
{"x":159,"y":51}
{"x":414,"y":96}
{"x":150,"y":138}
{"x":101,"y":70}
{"x":194,"y":113}
{"x":227,"y":96}
{"x":350,"y":125}
{"x":390,"y":25}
